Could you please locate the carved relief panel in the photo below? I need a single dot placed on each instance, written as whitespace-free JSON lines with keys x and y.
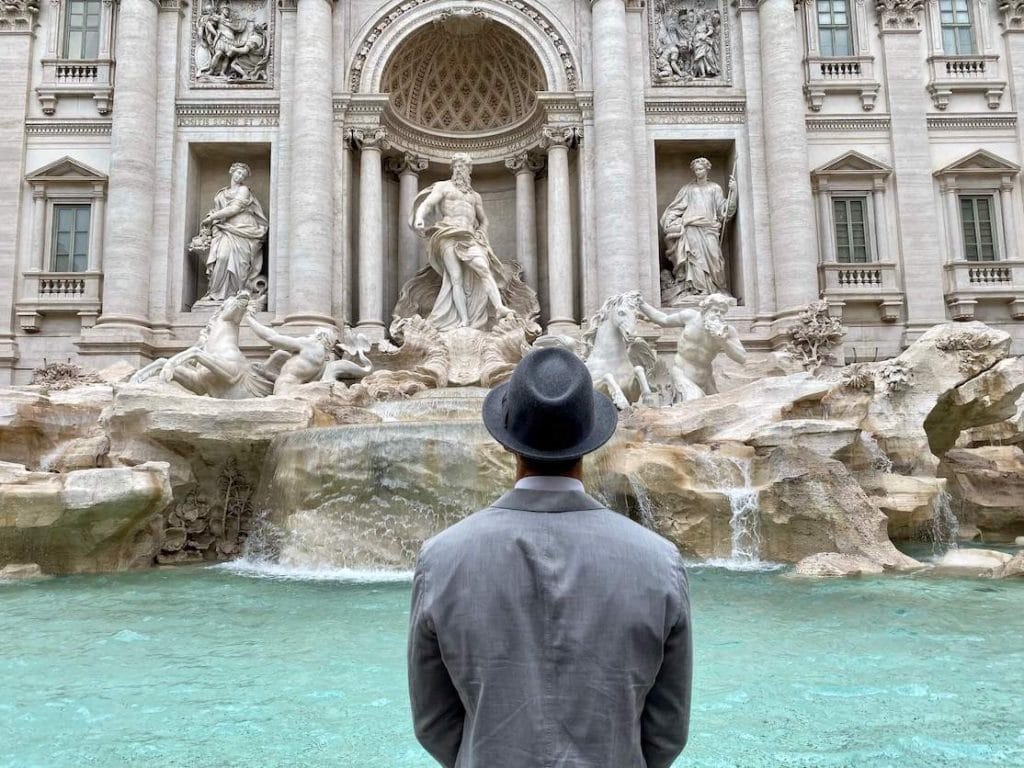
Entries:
{"x":232,"y":44}
{"x":689,"y":43}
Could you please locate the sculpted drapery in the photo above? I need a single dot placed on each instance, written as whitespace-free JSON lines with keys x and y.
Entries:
{"x":237,"y":229}
{"x":693,"y":232}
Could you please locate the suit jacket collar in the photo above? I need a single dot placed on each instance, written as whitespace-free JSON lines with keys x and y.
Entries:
{"x":547,"y":501}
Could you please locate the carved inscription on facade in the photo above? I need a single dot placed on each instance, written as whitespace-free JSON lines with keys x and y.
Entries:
{"x":232,"y":43}
{"x":689,"y":42}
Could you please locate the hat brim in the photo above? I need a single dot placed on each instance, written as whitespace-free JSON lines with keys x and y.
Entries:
{"x":606,"y":419}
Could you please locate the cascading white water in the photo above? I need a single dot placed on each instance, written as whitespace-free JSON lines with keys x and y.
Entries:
{"x":944,"y":527}
{"x":745,"y":507}
{"x":644,"y":506}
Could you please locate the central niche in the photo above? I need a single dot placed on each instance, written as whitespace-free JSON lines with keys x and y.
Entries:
{"x":464,"y":74}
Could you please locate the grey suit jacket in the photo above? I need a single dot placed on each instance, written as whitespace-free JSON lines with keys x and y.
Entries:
{"x":550,"y":632}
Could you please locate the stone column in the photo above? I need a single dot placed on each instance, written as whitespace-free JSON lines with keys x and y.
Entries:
{"x":128,"y":242}
{"x":1013,"y":34}
{"x":904,"y":52}
{"x":16,"y":64}
{"x":525,"y":166}
{"x":407,"y":168}
{"x":38,"y":262}
{"x":791,"y":207}
{"x":881,"y":221}
{"x":615,"y":224}
{"x":557,"y":140}
{"x":1008,"y":215}
{"x":371,"y":145}
{"x":96,"y":238}
{"x":825,"y":222}
{"x":311,"y":251}
{"x":955,"y":249}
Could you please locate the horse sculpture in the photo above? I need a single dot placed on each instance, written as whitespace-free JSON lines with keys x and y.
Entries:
{"x":619,"y":362}
{"x":215,"y":366}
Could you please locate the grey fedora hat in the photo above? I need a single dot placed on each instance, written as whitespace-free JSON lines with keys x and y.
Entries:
{"x":549,"y":410}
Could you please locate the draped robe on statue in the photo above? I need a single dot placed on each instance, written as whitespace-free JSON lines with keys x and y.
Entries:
{"x":693,"y":230}
{"x":236,"y":245}
{"x":466,"y":245}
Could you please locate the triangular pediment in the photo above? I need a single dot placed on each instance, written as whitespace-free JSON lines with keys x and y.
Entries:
{"x":853,"y":163}
{"x":66,"y":169}
{"x":980,"y":162}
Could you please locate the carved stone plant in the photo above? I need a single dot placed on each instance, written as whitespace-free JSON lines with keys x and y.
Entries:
{"x":60,"y":376}
{"x":969,"y":349}
{"x":210,"y":527}
{"x":815,"y":336}
{"x":896,"y":376}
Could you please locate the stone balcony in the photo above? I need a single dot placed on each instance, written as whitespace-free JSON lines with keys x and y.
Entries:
{"x":872,"y":283}
{"x":59,"y":292}
{"x":74,"y":77}
{"x":847,"y":74}
{"x":968,"y":282}
{"x":951,"y":74}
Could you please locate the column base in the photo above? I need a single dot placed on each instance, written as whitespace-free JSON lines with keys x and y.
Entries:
{"x":307,"y":319}
{"x":566,"y":326}
{"x":374,"y":331}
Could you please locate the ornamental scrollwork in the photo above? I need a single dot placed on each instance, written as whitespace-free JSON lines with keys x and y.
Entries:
{"x":899,"y":14}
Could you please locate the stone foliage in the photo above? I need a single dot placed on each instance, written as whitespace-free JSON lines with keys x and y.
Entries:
{"x":815,"y":336}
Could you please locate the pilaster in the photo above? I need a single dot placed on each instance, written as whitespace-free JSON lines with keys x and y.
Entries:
{"x":17,"y":19}
{"x":919,"y":243}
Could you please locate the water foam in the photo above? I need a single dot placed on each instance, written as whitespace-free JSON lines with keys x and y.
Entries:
{"x":266,"y":569}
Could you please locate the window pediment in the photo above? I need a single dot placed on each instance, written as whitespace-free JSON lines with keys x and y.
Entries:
{"x":66,"y":170}
{"x":853,"y":164}
{"x":980,"y":163}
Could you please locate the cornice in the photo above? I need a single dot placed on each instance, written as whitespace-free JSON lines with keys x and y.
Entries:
{"x":67,"y":127}
{"x":233,"y":114}
{"x":847,"y":124}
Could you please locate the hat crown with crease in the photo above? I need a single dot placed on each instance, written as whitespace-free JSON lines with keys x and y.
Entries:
{"x":549,"y":409}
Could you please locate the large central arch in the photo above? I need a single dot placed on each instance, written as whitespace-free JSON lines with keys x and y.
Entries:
{"x":463,"y":75}
{"x":385,"y":32}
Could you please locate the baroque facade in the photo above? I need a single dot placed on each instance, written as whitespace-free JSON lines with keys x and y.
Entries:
{"x":865,"y":153}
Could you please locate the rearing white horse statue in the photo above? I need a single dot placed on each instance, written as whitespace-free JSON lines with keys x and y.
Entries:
{"x":619,"y":362}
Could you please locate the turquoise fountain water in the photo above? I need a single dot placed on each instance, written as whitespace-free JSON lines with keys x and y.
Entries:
{"x":221,"y":668}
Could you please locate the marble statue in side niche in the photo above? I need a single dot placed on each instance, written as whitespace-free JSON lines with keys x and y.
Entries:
{"x":472,"y":276}
{"x":231,"y":238}
{"x":694,"y":224}
{"x":230,"y":48}
{"x":298,"y":360}
{"x":619,"y":361}
{"x":687,"y":41}
{"x":704,"y":336}
{"x":215,"y":366}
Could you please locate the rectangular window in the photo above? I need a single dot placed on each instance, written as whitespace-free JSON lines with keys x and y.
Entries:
{"x":979,"y":228}
{"x":834,"y":28}
{"x":955,"y":18}
{"x":82,"y":29}
{"x":850,"y":217}
{"x":71,"y":238}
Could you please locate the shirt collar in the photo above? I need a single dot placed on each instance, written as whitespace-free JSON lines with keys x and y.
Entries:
{"x":549,"y":483}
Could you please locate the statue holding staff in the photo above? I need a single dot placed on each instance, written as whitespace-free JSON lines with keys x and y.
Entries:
{"x":694,"y":224}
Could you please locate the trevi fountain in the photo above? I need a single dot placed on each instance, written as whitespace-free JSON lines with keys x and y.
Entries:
{"x":254,"y":289}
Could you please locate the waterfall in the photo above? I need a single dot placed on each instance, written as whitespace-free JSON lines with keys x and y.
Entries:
{"x":745,"y":522}
{"x":644,"y":506}
{"x":944,"y":527}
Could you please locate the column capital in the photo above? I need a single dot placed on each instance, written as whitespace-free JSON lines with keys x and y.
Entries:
{"x":18,"y":16}
{"x":899,"y":15}
{"x":1013,"y":15}
{"x":406,"y":163}
{"x":359,"y":139}
{"x":524,"y":162}
{"x":561,"y":136}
